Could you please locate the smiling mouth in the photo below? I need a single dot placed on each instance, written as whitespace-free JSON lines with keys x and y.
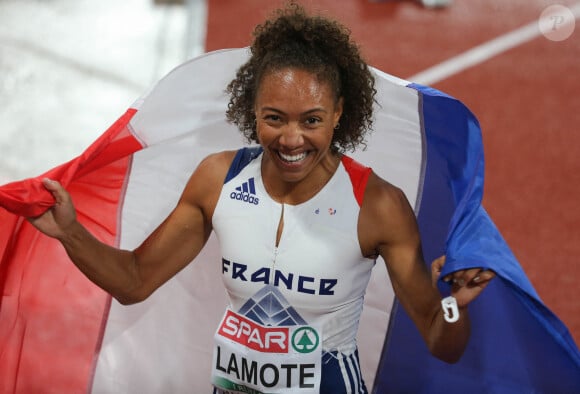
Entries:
{"x":292,"y":158}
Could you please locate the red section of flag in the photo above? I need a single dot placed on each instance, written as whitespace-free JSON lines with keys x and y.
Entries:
{"x":52,"y":316}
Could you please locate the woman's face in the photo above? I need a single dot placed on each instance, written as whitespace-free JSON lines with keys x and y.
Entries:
{"x":295,"y":119}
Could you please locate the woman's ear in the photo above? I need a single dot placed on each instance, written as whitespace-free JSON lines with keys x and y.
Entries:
{"x":338,"y":110}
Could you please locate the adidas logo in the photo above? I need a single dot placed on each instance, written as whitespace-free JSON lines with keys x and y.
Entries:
{"x":246,"y":192}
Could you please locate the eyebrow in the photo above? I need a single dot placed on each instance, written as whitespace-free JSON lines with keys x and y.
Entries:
{"x":310,"y":111}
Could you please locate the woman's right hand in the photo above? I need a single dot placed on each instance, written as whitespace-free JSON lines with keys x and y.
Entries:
{"x":56,"y":220}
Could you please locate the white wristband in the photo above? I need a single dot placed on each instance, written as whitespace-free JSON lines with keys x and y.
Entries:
{"x":450,"y":309}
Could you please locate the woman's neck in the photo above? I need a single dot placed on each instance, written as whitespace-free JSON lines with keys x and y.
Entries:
{"x":297,"y":192}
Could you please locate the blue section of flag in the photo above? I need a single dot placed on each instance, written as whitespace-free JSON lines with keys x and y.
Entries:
{"x":517,"y":344}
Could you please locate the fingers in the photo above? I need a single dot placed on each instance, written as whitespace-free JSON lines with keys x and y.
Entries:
{"x":58,"y":192}
{"x":55,"y":221}
{"x":485,"y":276}
{"x":63,"y":209}
{"x":438,"y":264}
{"x":436,"y":267}
{"x":470,"y":277}
{"x":466,"y":285}
{"x":51,"y":185}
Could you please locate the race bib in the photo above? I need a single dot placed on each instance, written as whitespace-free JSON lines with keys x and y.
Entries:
{"x":251,"y":358}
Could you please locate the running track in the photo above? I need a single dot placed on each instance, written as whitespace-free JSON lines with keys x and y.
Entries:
{"x":526,"y":99}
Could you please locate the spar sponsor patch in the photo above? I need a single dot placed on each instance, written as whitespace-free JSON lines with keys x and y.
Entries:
{"x":254,"y":336}
{"x":253,"y":358}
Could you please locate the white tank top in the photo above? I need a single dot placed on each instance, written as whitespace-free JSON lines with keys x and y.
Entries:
{"x":317,"y":273}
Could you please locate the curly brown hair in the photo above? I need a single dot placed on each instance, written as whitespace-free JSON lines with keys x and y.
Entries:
{"x":292,"y":38}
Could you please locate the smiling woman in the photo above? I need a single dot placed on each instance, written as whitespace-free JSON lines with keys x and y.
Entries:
{"x":321,"y":46}
{"x":306,"y":97}
{"x":297,"y":115}
{"x":300,"y":224}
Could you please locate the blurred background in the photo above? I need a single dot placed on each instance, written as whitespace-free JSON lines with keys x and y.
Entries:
{"x":69,"y":68}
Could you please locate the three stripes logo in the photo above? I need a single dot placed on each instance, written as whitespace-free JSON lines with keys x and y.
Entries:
{"x":246,"y":192}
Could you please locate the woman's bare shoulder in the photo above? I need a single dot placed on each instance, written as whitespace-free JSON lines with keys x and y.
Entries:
{"x":380,"y":193}
{"x":207,"y":179}
{"x":386,"y":215}
{"x":218,"y":161}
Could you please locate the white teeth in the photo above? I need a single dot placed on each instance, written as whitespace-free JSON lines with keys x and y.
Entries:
{"x":293,"y":158}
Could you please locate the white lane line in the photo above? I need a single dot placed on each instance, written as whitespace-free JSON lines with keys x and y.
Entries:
{"x":481,"y":53}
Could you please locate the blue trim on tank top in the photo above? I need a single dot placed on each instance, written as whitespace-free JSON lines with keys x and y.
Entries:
{"x":243,"y":157}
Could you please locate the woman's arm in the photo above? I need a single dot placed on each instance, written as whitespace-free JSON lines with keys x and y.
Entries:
{"x":388,"y":227}
{"x":131,"y":276}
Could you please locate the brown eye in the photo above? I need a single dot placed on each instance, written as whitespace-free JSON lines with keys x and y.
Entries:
{"x":313,"y":121}
{"x":272,"y":119}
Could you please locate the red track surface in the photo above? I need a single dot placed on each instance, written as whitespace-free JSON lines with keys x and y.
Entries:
{"x":526,"y":100}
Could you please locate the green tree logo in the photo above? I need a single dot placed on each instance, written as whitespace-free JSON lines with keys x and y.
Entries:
{"x":305,"y":340}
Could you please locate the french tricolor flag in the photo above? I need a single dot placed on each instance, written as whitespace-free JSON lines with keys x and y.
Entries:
{"x":59,"y":333}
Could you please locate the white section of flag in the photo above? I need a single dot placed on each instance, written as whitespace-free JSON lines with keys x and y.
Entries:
{"x":165,"y":343}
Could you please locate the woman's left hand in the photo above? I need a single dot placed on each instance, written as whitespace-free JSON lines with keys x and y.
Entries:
{"x":466,"y":285}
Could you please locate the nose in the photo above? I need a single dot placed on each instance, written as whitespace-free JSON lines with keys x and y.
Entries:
{"x":292,"y":136}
